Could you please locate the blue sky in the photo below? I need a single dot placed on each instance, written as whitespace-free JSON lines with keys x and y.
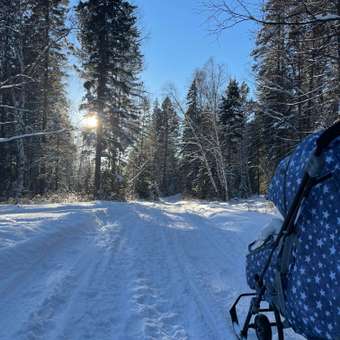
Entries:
{"x":177,"y":42}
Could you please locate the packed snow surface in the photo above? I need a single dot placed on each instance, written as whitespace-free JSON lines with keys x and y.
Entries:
{"x":138,"y":270}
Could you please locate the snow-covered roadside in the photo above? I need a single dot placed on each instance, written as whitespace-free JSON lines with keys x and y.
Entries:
{"x":137,"y":270}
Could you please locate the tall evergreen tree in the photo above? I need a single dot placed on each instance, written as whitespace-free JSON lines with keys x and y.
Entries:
{"x":296,"y":66}
{"x":32,"y":95}
{"x":111,"y":62}
{"x":273,"y":86}
{"x":49,"y":46}
{"x":233,"y":116}
{"x":166,"y":127}
{"x":140,"y":167}
{"x":190,"y":163}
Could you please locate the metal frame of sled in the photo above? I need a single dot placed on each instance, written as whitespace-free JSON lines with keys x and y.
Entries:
{"x":255,"y":310}
{"x":261,"y":323}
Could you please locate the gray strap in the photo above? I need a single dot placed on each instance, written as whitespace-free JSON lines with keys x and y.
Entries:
{"x":286,"y":246}
{"x":289,"y":243}
{"x":285,"y":184}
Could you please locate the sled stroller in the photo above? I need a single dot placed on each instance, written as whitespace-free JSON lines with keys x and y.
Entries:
{"x":295,"y":271}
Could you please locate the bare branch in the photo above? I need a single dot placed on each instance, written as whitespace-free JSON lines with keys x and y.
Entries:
{"x":227,"y":16}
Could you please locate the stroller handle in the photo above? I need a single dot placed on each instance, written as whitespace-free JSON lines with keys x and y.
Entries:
{"x":327,"y":137}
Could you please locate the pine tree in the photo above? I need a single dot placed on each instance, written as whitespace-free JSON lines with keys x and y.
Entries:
{"x":111,"y":61}
{"x":274,"y":88}
{"x":48,"y":24}
{"x":12,"y":96}
{"x":140,"y":175}
{"x":32,"y":95}
{"x":297,"y":72}
{"x":190,"y":162}
{"x":231,"y":119}
{"x":233,"y":116}
{"x":166,"y":127}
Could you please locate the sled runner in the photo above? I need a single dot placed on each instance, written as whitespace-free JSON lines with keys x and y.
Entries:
{"x":295,"y":272}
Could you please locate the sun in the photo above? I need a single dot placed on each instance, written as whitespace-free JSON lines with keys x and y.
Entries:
{"x":90,"y":122}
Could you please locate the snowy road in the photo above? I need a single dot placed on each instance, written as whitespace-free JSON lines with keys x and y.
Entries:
{"x":123,"y":270}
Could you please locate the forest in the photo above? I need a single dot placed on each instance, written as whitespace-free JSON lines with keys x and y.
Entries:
{"x":221,"y":144}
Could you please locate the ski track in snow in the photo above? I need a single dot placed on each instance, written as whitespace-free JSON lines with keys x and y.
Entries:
{"x":138,"y":270}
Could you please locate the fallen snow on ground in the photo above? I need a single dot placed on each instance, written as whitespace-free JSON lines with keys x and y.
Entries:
{"x":137,"y":270}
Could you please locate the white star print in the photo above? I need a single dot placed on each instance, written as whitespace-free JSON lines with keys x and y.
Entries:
{"x":329,"y":159}
{"x":314,"y":268}
{"x":319,"y":243}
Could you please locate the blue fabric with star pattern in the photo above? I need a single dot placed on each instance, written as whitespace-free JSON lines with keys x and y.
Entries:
{"x":312,"y":292}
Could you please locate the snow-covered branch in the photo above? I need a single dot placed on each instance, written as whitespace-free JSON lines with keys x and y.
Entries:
{"x":11,"y":107}
{"x":34,"y":134}
{"x":8,"y":123}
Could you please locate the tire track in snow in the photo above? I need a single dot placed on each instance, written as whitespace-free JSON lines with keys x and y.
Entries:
{"x":32,"y":284}
{"x":102,"y":302}
{"x":151,"y":312}
{"x":93,"y":311}
{"x":64,"y":283}
{"x":195,"y":291}
{"x":209,"y":261}
{"x":42,"y":321}
{"x":30,"y":254}
{"x":182,"y":282}
{"x":199,"y":280}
